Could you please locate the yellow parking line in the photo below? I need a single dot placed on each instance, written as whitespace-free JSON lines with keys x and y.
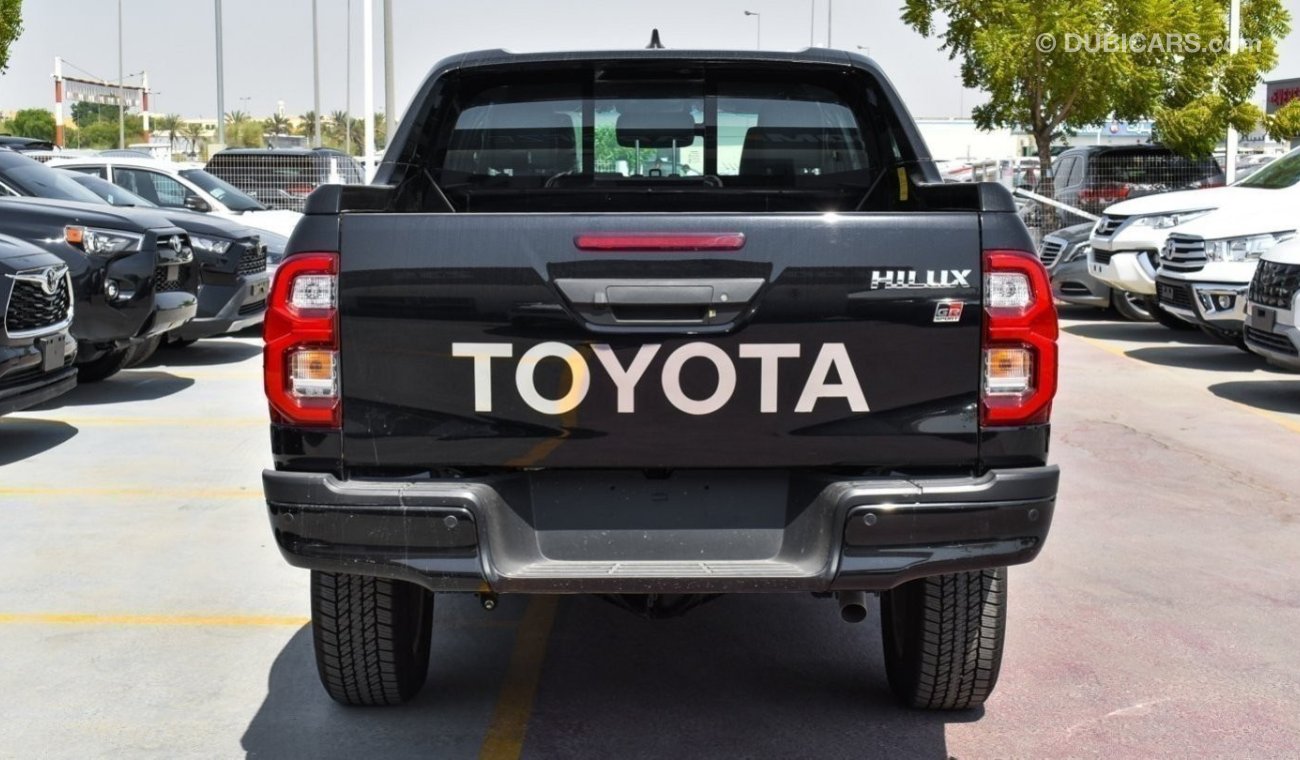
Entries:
{"x":235,"y":621}
{"x":135,"y":492}
{"x":505,"y":734}
{"x":17,"y":421}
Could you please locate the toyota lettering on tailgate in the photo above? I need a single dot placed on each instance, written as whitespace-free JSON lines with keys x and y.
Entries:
{"x":831,"y":377}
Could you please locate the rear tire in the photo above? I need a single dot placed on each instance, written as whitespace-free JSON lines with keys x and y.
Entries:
{"x":1129,"y":306}
{"x":371,"y":637}
{"x":943,"y":638}
{"x":104,"y":367}
{"x":1164,"y":317}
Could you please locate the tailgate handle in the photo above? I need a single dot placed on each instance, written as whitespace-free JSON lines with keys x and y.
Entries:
{"x":612,"y":303}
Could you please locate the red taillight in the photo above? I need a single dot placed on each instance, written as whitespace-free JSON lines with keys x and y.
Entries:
{"x":302,"y":322}
{"x":1104,"y":194}
{"x":1020,"y":332}
{"x":730,"y":241}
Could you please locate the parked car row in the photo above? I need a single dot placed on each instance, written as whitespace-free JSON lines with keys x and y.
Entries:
{"x":97,"y":277}
{"x":1225,"y":260}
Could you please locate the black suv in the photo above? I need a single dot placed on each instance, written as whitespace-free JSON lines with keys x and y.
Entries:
{"x":133,"y":273}
{"x":1093,"y":177}
{"x":36,"y":354}
{"x":283,"y":178}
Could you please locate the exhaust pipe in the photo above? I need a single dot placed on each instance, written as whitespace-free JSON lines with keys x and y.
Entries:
{"x":853,"y":606}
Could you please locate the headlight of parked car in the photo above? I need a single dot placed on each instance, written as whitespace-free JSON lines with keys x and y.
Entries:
{"x":100,"y":242}
{"x":1165,"y":221}
{"x":1244,"y":248}
{"x":217,"y":246}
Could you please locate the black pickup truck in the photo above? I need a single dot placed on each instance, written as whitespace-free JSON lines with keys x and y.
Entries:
{"x":660,"y":325}
{"x":133,"y":273}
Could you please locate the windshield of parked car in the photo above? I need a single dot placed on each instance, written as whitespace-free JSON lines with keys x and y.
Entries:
{"x":35,"y":178}
{"x":230,"y":196}
{"x":114,"y":194}
{"x":1279,"y":174}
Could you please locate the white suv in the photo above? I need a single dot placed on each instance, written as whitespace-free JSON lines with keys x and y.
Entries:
{"x":173,"y":185}
{"x":1273,"y":311}
{"x":1129,"y":238}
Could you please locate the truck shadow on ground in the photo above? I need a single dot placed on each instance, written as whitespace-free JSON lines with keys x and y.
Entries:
{"x":23,"y":438}
{"x":1216,"y":357}
{"x":745,"y":676}
{"x":204,"y":353}
{"x":1269,"y":395}
{"x":123,"y":388}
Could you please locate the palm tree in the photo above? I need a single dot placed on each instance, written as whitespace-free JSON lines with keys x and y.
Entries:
{"x":193,"y":131}
{"x":235,"y":118}
{"x":307,"y":123}
{"x":171,"y":124}
{"x":277,"y":124}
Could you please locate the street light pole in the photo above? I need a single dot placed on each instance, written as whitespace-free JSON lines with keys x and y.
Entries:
{"x":812,"y":23}
{"x":830,"y":23}
{"x":221,"y":84}
{"x":390,"y":98}
{"x":758,"y":17}
{"x":121,"y":84}
{"x":368,"y":86}
{"x":1234,"y":32}
{"x":347,"y":87}
{"x":315,"y":75}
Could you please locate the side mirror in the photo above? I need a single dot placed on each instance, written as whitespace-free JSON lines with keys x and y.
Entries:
{"x":195,"y":203}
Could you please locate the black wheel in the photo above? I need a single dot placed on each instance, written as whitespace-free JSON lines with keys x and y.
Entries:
{"x":140,"y":352}
{"x":104,"y":367}
{"x":1130,"y":306}
{"x":371,"y":637}
{"x":1231,"y":338}
{"x":181,"y":342}
{"x":1164,"y":317}
{"x":943,"y":638}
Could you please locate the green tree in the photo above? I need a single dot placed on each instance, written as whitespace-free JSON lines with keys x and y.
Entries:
{"x":34,"y":122}
{"x":99,"y":135}
{"x":1053,"y":66}
{"x":1283,"y":125}
{"x":169,"y":125}
{"x":193,"y":132}
{"x":277,"y":124}
{"x":85,"y":113}
{"x":236,"y":118}
{"x":11,"y":25}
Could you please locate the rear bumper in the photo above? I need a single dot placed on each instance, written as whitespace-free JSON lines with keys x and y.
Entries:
{"x":697,"y":532}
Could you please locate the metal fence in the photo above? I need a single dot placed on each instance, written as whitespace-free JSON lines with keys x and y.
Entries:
{"x":282,"y":179}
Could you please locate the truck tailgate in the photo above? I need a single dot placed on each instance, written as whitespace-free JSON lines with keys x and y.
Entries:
{"x":660,"y":340}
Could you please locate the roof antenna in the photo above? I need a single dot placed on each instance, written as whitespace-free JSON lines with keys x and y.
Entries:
{"x":655,"y":44}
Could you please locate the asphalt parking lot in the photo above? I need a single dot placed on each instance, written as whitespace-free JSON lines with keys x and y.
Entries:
{"x":146,"y":613}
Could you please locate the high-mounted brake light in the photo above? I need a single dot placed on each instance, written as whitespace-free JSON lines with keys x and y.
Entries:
{"x":1020,"y":332}
{"x":662,"y":243}
{"x":302,"y":345}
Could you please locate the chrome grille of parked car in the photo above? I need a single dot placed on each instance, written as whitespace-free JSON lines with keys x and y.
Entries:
{"x":167,"y":278}
{"x":1051,"y":250}
{"x":31,"y":309}
{"x":1275,"y":284}
{"x":1183,"y":253}
{"x":1271,"y":341}
{"x":1173,"y":294}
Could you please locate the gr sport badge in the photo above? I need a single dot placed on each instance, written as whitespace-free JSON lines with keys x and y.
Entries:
{"x":948,"y":311}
